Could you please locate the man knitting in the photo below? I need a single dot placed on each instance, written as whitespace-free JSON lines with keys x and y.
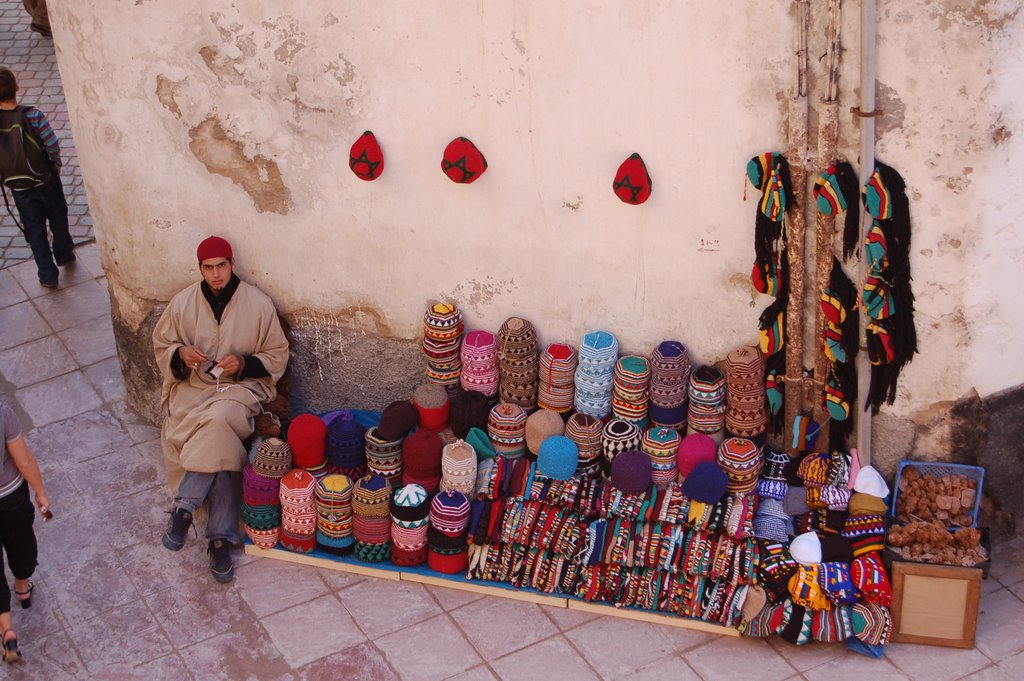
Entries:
{"x":221,"y":350}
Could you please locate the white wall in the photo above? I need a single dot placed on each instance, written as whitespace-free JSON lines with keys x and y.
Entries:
{"x":556,"y":95}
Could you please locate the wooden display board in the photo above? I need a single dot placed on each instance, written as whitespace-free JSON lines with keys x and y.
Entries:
{"x":935,"y":604}
{"x":499,"y":589}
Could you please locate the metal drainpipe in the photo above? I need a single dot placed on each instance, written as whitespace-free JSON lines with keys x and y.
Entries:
{"x":868,"y":63}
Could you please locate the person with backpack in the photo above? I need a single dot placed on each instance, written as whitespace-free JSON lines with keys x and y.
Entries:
{"x":30,"y":166}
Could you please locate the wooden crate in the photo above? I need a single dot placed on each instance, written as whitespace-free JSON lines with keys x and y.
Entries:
{"x":935,"y":604}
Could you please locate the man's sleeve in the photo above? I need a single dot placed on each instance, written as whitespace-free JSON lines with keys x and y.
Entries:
{"x":45,"y":134}
{"x":253,"y":368}
{"x":166,"y":342}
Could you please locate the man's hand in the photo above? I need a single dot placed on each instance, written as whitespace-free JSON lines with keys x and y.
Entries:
{"x":231,"y":364}
{"x":191,"y":356}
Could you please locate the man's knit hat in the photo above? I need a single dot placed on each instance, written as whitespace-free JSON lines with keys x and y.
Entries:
{"x":540,"y":425}
{"x":432,"y":404}
{"x":706,"y":483}
{"x":557,"y":457}
{"x":462,"y":162}
{"x":631,"y":472}
{"x":365,"y":158}
{"x":469,"y":409}
{"x":397,"y":419}
{"x":632,"y":182}
{"x":213,"y":247}
{"x":273,"y":458}
{"x":695,"y":448}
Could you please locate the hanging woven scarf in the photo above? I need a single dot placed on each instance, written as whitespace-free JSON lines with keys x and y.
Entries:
{"x":835,"y":191}
{"x":887,"y":296}
{"x":839,"y":338}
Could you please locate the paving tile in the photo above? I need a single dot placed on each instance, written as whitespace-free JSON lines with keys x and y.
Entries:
{"x":337,"y":579}
{"x":433,"y":649}
{"x":738,"y":658}
{"x":119,"y":474}
{"x":808,"y":656}
{"x":553,"y":658}
{"x":137,"y":428}
{"x":269,"y":586}
{"x":992,"y":673}
{"x":484,"y":623}
{"x":481,"y":673}
{"x":566,"y":619}
{"x":75,"y":273}
{"x":450,"y":599}
{"x":36,"y":361}
{"x":615,"y":647}
{"x":10,"y":290}
{"x":664,"y":669}
{"x":26,"y":273}
{"x":290,"y":630}
{"x":74,"y":305}
{"x":854,"y":667}
{"x":684,"y":640}
{"x":358,"y":663}
{"x":88,"y":256}
{"x":58,"y":399}
{"x":934,"y":663}
{"x":152,"y":568}
{"x":999,"y":634}
{"x":87,"y":435}
{"x":166,"y":668}
{"x":107,"y":378}
{"x":142,"y":517}
{"x":86,"y":589}
{"x":43,"y":618}
{"x":1014,"y":665}
{"x":71,"y":537}
{"x":90,"y":342}
{"x":381,"y":606}
{"x":125,"y":635}
{"x":21,"y":323}
{"x":53,"y":658}
{"x":246,"y":654}
{"x":199,"y":609}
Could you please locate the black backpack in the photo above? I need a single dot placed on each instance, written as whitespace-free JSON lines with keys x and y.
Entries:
{"x":23,"y":160}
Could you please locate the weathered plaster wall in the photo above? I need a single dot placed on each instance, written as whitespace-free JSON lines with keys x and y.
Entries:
{"x":194,"y":117}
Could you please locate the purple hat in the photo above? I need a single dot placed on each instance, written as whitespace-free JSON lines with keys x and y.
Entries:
{"x":631,"y":471}
{"x":706,"y":483}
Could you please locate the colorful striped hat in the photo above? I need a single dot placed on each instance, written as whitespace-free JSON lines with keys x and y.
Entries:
{"x":273,"y":458}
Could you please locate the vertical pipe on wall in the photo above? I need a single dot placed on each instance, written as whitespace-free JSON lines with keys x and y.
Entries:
{"x":868,"y":65}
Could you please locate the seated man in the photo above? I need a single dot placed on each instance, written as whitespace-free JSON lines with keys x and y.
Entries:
{"x":221,"y":350}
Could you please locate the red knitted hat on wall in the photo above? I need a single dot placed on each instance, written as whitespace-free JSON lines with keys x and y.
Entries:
{"x":462,"y":161}
{"x":366,"y":158}
{"x":632,"y":182}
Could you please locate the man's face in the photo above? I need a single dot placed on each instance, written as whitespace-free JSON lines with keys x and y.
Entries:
{"x":216,"y":273}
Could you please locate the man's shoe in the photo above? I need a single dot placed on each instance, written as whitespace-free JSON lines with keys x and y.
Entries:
{"x":177,"y":528}
{"x":48,"y":284}
{"x":220,"y":560}
{"x":65,"y":260}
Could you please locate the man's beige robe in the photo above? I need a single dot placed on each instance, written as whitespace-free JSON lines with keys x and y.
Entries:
{"x":204,"y":425}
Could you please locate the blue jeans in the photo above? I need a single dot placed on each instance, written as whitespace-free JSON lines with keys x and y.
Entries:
{"x":221,"y":492}
{"x":37,"y":206}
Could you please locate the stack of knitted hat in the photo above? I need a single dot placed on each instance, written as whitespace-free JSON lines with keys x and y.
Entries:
{"x":662,"y":446}
{"x":442,"y":343}
{"x":346,"y":446}
{"x":384,"y":457}
{"x":458,"y":467}
{"x":747,"y":413}
{"x":670,"y":379}
{"x":448,"y":551}
{"x":432,"y":406}
{"x":619,"y":436}
{"x":410,"y":510}
{"x":333,"y":499}
{"x":707,"y":401}
{"x":371,"y":524}
{"x":557,"y":377}
{"x":517,"y":363}
{"x":506,"y":427}
{"x":631,"y":377}
{"x":598,"y":354}
{"x":585,"y":430}
{"x":741,"y":460}
{"x":307,"y":437}
{"x":421,"y":459}
{"x":298,"y":511}
{"x":261,"y":483}
{"x":772,"y":484}
{"x":480,"y":363}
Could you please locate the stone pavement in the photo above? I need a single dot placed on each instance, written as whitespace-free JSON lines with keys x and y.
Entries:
{"x":112,"y":603}
{"x":32,"y":59}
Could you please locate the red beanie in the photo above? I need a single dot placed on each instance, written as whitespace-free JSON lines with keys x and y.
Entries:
{"x":366,"y":158}
{"x":421,"y":454}
{"x":462,"y":162}
{"x":307,"y":435}
{"x":213,"y":247}
{"x":632,"y":182}
{"x":695,"y":448}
